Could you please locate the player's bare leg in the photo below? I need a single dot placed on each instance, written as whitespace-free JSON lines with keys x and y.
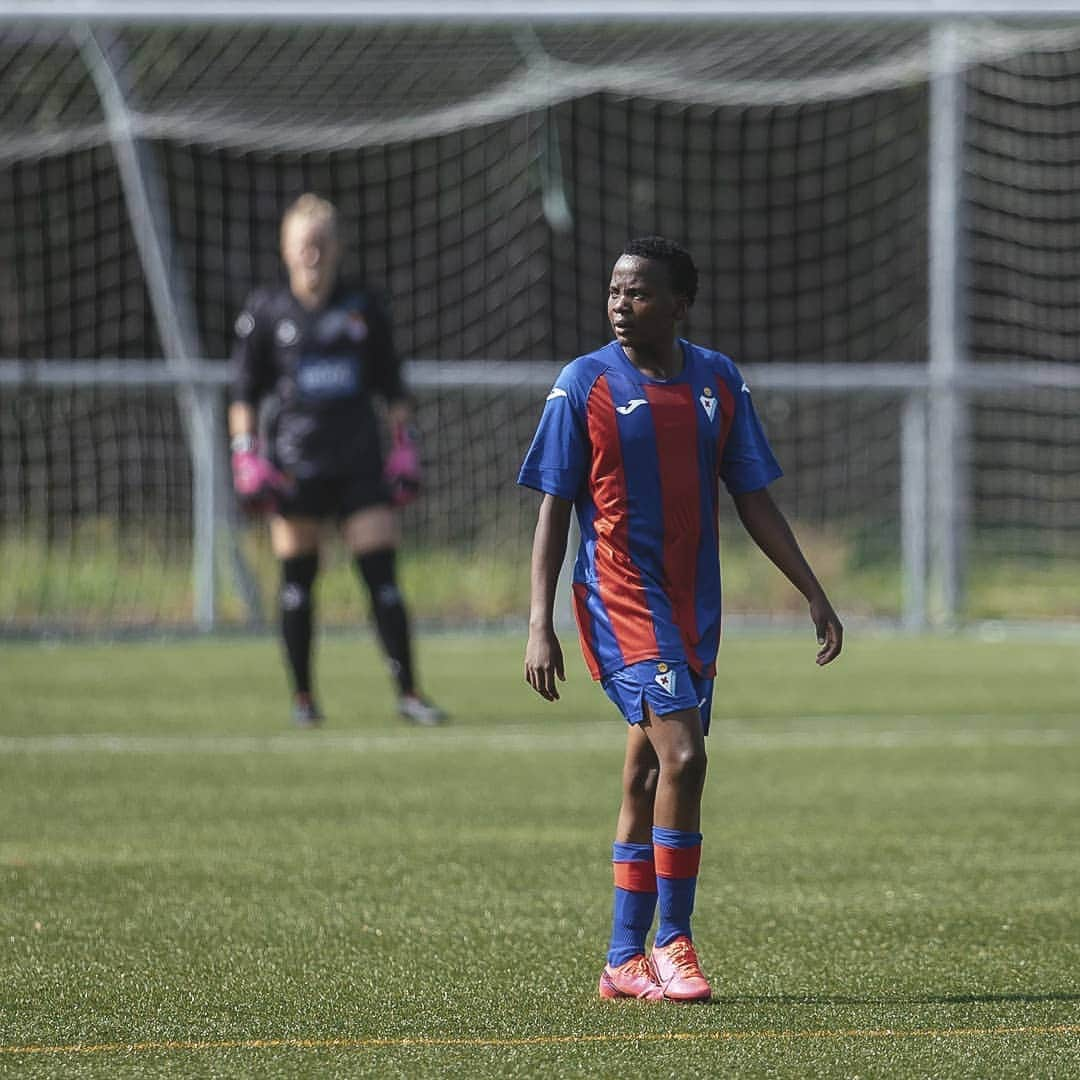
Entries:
{"x":372,"y":536}
{"x":641,"y":769}
{"x":371,"y":529}
{"x":295,"y":543}
{"x":628,"y":973}
{"x":678,"y":740}
{"x":294,"y":536}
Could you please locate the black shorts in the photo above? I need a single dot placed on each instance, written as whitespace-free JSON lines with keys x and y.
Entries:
{"x":335,"y":496}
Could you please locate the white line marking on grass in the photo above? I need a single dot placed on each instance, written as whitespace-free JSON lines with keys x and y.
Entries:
{"x":824,"y":733}
{"x":541,"y":1040}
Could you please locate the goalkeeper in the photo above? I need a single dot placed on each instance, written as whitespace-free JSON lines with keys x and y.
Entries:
{"x":309,"y":357}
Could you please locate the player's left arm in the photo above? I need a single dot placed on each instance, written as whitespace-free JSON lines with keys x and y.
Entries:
{"x":385,"y":374}
{"x":769,"y":529}
{"x":402,"y":470}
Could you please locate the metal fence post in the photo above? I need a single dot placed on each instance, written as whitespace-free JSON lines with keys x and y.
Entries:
{"x":204,"y":484}
{"x":946,"y":360}
{"x":913,"y":510}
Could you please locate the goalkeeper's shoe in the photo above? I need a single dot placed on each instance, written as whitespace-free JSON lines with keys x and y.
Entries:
{"x":679,"y":973}
{"x":418,"y":710}
{"x":634,"y":979}
{"x":305,"y":712}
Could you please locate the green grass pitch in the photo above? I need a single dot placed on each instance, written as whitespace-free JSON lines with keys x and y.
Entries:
{"x":188,"y":888}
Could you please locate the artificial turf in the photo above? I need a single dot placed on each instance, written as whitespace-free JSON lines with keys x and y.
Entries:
{"x":190,"y":889}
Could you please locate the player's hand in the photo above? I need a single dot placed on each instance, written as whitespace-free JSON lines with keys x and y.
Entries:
{"x":402,"y":472}
{"x":256,"y":481}
{"x":544,"y":664}
{"x":830,"y":633}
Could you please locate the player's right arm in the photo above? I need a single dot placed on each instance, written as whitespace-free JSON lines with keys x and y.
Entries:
{"x":543,"y":653}
{"x":242,"y":422}
{"x":252,"y":363}
{"x":255,"y":479}
{"x":555,"y":465}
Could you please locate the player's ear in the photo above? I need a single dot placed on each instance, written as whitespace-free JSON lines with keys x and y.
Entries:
{"x":682,"y":307}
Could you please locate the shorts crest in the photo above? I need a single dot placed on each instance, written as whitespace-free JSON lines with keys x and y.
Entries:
{"x":665,"y":678}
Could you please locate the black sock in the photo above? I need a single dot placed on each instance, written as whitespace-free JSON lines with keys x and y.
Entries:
{"x":391,"y":620}
{"x":297,"y":577}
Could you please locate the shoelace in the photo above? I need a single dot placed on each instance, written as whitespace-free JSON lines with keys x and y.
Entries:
{"x":642,"y":968}
{"x":682,"y":957}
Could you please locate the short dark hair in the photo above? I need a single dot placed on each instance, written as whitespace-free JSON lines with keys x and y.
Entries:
{"x":681,"y":269}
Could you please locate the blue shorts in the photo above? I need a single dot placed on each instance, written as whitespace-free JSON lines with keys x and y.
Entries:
{"x":667,"y":687}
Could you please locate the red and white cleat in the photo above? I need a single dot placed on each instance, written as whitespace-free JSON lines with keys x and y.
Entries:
{"x":634,"y":979}
{"x":679,"y":973}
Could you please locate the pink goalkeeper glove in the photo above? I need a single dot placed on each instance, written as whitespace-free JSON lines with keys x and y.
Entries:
{"x":402,"y":472}
{"x":256,"y":482}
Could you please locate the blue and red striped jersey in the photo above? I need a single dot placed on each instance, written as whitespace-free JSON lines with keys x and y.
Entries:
{"x":641,"y":459}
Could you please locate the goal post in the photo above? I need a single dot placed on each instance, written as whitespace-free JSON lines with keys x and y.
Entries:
{"x":877,"y":194}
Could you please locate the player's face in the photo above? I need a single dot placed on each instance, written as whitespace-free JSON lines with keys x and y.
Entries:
{"x":311,"y":253}
{"x":642,"y":308}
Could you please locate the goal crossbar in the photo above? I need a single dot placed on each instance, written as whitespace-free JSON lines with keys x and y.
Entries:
{"x":353,"y":11}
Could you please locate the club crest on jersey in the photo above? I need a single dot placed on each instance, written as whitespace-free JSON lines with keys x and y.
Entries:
{"x":630,"y":406}
{"x":286,"y":333}
{"x":356,"y":326}
{"x":665,"y":678}
{"x":708,"y":402}
{"x":336,"y":324}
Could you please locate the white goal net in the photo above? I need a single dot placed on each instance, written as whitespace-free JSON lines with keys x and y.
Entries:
{"x":487,"y":175}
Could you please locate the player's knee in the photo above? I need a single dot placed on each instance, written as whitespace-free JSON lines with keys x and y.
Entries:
{"x":686,"y":765}
{"x":298,"y":574}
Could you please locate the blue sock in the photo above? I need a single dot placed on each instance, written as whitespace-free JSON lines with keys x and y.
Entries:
{"x":677,"y":856}
{"x":635,"y":901}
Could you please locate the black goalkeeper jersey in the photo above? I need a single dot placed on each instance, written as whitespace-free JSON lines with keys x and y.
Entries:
{"x":312,"y":374}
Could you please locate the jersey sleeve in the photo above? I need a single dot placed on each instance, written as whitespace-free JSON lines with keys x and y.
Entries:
{"x":385,"y":373}
{"x":253,"y":373}
{"x":557,"y":460}
{"x":747,"y":463}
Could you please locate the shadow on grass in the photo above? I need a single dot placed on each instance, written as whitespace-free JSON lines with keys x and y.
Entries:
{"x":928,"y":999}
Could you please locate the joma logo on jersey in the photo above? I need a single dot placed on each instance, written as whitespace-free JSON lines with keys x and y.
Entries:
{"x":630,"y":406}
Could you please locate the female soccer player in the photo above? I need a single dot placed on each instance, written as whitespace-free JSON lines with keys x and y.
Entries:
{"x":637,"y":436}
{"x":308,"y":359}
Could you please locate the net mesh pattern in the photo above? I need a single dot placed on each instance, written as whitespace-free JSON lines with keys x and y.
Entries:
{"x":95,"y":498}
{"x":311,"y":87}
{"x":1022,"y":224}
{"x":449,"y":228}
{"x":1022,"y":155}
{"x":486,"y":179}
{"x":74,"y":285}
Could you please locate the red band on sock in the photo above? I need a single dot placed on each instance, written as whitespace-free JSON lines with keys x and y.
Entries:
{"x":635,"y":876}
{"x":677,"y":862}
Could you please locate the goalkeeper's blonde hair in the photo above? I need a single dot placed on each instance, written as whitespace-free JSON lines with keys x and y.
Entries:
{"x":309,"y":207}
